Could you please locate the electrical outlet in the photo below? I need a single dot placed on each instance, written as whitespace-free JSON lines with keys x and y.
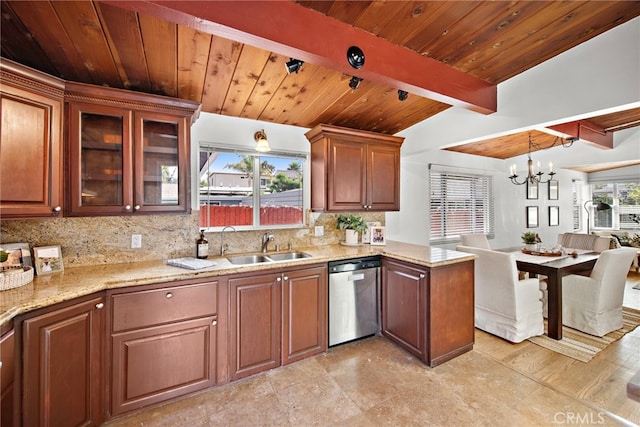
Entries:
{"x":319,"y":230}
{"x":136,"y":241}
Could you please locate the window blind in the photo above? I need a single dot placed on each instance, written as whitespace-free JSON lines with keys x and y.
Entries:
{"x":460,"y":203}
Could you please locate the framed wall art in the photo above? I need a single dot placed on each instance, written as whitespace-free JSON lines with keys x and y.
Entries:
{"x":48,"y":259}
{"x":377,"y":236}
{"x":532,"y":217}
{"x":532,"y":190}
{"x":553,"y":189}
{"x":554,"y":215}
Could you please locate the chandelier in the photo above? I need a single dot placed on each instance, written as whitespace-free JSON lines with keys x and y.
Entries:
{"x":534,"y":177}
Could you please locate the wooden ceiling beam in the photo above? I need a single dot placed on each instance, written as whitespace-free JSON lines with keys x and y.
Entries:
{"x":587,"y":132}
{"x":297,"y":32}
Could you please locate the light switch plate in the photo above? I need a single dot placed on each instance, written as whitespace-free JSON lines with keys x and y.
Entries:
{"x":319,"y":230}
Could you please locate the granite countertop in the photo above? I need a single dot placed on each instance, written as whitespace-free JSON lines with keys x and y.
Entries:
{"x":79,"y":281}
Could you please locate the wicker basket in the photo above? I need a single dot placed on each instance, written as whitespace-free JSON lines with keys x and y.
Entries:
{"x":15,"y":277}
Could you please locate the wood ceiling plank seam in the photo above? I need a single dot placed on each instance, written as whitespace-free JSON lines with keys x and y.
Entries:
{"x":223,"y":58}
{"x":193,"y":56}
{"x":81,"y":22}
{"x":348,"y":11}
{"x":124,"y":38}
{"x":160,"y":43}
{"x":442,"y":21}
{"x":376,"y":16}
{"x":409,"y":21}
{"x":551,"y":40}
{"x":248,"y":69}
{"x":322,"y":6}
{"x":413,"y":110}
{"x":269,"y":83}
{"x":43,"y":28}
{"x":344,"y":110}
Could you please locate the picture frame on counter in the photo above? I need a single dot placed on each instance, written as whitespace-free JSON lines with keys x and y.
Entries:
{"x":532,"y":217}
{"x":48,"y":259}
{"x":19,"y":254}
{"x":378,"y":236}
{"x":366,"y":234}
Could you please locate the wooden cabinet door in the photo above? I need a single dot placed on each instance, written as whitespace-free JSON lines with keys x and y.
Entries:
{"x":154,"y":364}
{"x":62,"y":366}
{"x":404,"y":306}
{"x":7,"y":373}
{"x":254,"y":322}
{"x":346,"y":180}
{"x":161,"y":163}
{"x":383,"y":177}
{"x":100,"y":160}
{"x":30,"y":153}
{"x":304,"y":313}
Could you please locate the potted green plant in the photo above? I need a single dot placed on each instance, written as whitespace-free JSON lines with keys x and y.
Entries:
{"x":352,"y":224}
{"x":531,"y":240}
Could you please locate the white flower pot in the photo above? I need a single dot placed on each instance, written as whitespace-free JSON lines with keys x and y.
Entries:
{"x":533,"y":247}
{"x":351,"y":237}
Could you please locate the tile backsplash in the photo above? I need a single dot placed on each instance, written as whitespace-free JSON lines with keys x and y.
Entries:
{"x":107,"y":240}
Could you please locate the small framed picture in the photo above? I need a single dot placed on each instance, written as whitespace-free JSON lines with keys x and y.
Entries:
{"x":18,"y":255}
{"x":366,"y":234}
{"x":532,"y":190}
{"x":48,"y":259}
{"x":532,"y":216}
{"x":554,"y":215}
{"x":553,"y":190}
{"x":377,"y":236}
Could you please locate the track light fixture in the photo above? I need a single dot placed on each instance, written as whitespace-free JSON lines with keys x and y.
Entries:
{"x":402,"y":95}
{"x":293,"y":65}
{"x":355,"y":56}
{"x":354,"y":83}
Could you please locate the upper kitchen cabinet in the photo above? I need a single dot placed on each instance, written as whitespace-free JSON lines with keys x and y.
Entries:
{"x":30,"y":142}
{"x":354,"y":170}
{"x":128,"y":152}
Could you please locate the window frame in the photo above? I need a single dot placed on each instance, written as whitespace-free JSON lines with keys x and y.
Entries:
{"x":485,"y":198}
{"x":303,"y":158}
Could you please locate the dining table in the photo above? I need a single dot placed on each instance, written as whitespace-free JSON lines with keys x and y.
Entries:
{"x":555,"y":267}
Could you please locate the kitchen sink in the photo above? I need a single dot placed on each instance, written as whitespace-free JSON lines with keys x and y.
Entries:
{"x":258,"y":259}
{"x":248,"y":259}
{"x":286,"y":256}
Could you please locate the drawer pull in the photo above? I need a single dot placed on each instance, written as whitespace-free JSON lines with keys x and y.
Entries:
{"x":169,"y":295}
{"x":279,"y":279}
{"x":286,"y":277}
{"x":214,"y":323}
{"x":99,"y":305}
{"x":136,"y":207}
{"x":422,"y":276}
{"x":127,"y":207}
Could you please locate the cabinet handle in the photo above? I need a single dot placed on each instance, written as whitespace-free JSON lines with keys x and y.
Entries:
{"x":279,"y":279}
{"x":136,"y":207}
{"x":99,"y":305}
{"x":286,"y":277}
{"x":169,"y":295}
{"x":214,"y":323}
{"x":57,"y":209}
{"x":422,"y":276}
{"x":127,"y":207}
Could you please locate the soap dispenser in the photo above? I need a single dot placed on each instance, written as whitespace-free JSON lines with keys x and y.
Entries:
{"x":202,"y":246}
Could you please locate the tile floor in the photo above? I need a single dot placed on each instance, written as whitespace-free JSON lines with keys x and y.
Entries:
{"x":374,"y":383}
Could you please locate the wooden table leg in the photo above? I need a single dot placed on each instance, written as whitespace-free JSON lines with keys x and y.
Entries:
{"x":554,"y":305}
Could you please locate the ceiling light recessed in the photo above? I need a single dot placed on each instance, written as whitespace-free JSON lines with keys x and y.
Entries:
{"x":355,"y":56}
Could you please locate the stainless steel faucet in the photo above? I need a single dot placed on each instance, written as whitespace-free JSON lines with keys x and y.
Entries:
{"x":223,"y":245}
{"x":266,"y":238}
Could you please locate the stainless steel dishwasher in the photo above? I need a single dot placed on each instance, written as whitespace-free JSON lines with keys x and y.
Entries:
{"x":353,"y":299}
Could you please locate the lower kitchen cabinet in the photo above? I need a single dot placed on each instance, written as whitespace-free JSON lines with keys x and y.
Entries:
{"x":163,"y":343}
{"x":429,"y":311}
{"x":276,"y":318}
{"x":304,"y":313}
{"x":62,"y":361}
{"x":7,"y":375}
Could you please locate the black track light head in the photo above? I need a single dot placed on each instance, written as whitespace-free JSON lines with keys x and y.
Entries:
{"x":402,"y":95}
{"x":293,"y":66}
{"x":354,"y":83}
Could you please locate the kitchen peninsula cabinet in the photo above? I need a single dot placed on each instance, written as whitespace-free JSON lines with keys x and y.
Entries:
{"x":276,"y":318}
{"x":128,"y":153}
{"x":62,"y":364}
{"x":31,"y":150}
{"x":354,"y":170}
{"x":428,"y":311}
{"x":163,"y":342}
{"x":7,"y":375}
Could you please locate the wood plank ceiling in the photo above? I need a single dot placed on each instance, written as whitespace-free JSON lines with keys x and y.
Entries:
{"x":119,"y":44}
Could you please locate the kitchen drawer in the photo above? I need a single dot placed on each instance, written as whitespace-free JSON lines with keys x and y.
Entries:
{"x":152,"y":307}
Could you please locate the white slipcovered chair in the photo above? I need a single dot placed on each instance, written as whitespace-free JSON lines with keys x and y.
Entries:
{"x":475,"y":240}
{"x":504,"y":305}
{"x":593,"y":304}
